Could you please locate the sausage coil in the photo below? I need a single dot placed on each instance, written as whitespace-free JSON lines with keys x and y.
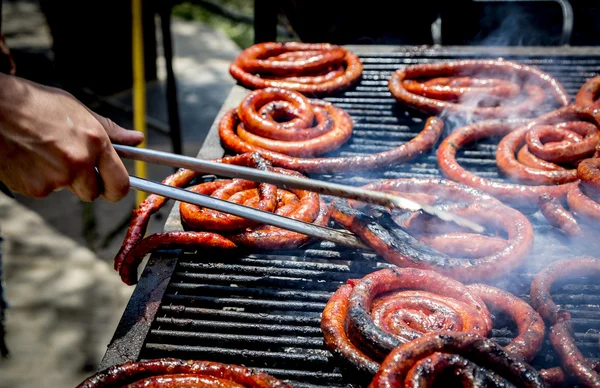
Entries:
{"x":563,"y":136}
{"x":367,"y":318}
{"x":310,"y":68}
{"x":171,"y":373}
{"x":459,"y":359}
{"x":288,"y":129}
{"x":286,"y":122}
{"x":392,"y":239}
{"x":514,"y":194}
{"x":483,"y":88}
{"x":212,"y":229}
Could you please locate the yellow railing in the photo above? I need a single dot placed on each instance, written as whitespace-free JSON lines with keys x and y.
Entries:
{"x":139,"y":87}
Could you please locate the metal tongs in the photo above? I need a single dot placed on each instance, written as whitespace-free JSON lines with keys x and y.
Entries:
{"x":283,"y":181}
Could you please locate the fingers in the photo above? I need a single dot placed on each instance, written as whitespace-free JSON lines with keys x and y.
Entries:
{"x":119,"y":135}
{"x":86,"y":185}
{"x":115,"y":177}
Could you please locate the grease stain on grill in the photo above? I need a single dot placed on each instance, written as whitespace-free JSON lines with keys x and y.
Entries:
{"x":263,"y":309}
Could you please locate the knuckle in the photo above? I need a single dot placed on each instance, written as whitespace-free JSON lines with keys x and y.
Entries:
{"x":122,"y":189}
{"x":96,"y":137}
{"x":87,"y":196}
{"x":64,"y":180}
{"x":40,"y":190}
{"x":77,"y":159}
{"x":118,"y":190}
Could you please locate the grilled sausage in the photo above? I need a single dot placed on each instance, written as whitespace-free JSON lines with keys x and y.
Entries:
{"x":465,"y":245}
{"x":166,"y":372}
{"x":589,"y":173}
{"x":218,"y":230}
{"x":583,"y":198}
{"x":367,"y":318}
{"x":333,"y":325}
{"x":514,"y":194}
{"x":237,"y":191}
{"x":571,"y":358}
{"x":529,"y":323}
{"x":423,"y":142}
{"x":286,"y":122}
{"x":558,"y":216}
{"x":526,"y":158}
{"x":181,"y":381}
{"x":310,"y":68}
{"x":168,"y":240}
{"x":589,"y":92}
{"x":448,"y":238}
{"x":579,"y":130}
{"x":583,"y":206}
{"x":556,"y":377}
{"x":493,"y":83}
{"x":541,"y":298}
{"x":564,"y":142}
{"x":457,"y":88}
{"x":395,"y":244}
{"x":417,"y":362}
{"x":152,"y":203}
{"x":561,"y":336}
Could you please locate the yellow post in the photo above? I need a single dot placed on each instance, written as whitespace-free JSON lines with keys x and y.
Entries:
{"x":139,"y":87}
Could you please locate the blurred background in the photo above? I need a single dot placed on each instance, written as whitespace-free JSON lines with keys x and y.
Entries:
{"x":64,"y":298}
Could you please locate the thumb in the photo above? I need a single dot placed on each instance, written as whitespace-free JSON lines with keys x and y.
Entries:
{"x":119,"y":135}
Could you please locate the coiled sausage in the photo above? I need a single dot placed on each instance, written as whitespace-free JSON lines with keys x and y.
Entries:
{"x":483,"y":88}
{"x":310,"y":68}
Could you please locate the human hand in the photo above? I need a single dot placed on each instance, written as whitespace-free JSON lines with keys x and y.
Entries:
{"x":49,"y":141}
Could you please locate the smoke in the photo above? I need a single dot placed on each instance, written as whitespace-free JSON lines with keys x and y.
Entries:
{"x":501,"y":24}
{"x":519,"y":24}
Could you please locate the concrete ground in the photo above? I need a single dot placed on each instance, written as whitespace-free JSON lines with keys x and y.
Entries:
{"x":65,"y":298}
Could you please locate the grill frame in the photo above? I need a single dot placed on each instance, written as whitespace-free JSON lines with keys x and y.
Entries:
{"x":135,"y":325}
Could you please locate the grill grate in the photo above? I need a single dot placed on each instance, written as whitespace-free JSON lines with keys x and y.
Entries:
{"x":262,"y":309}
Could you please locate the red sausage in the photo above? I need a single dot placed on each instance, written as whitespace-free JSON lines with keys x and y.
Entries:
{"x":583,"y":198}
{"x":368,"y":317}
{"x":535,"y":84}
{"x":561,"y":335}
{"x":309,"y":68}
{"x":511,"y":193}
{"x":397,"y":246}
{"x":529,"y":323}
{"x":579,"y":126}
{"x":558,"y":216}
{"x":286,"y":122}
{"x":589,"y":93}
{"x":297,"y":204}
{"x":171,"y":370}
{"x":406,"y":363}
{"x":422,"y":143}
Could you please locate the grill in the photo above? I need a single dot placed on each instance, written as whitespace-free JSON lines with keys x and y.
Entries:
{"x":262,"y":309}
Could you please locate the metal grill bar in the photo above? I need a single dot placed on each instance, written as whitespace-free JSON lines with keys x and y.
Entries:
{"x":263,"y":309}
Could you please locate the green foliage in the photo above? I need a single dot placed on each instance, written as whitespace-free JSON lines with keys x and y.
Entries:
{"x":241,"y":33}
